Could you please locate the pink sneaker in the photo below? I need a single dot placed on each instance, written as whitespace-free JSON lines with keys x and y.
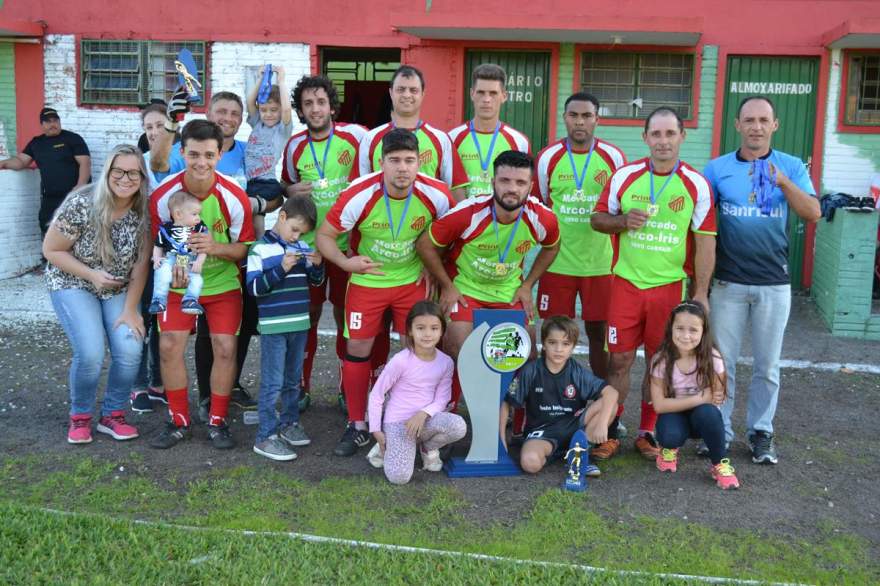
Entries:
{"x":724,"y":476}
{"x":115,"y":426}
{"x":667,"y":460}
{"x":80,"y":430}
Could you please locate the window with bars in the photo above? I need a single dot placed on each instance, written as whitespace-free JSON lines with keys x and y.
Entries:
{"x":131,"y":73}
{"x":629,"y":85}
{"x":862,"y":90}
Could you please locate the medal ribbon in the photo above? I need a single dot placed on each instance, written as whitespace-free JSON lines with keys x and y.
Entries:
{"x":323,"y":165}
{"x":502,"y":256}
{"x":394,"y":234}
{"x":665,"y":183}
{"x":579,"y":181}
{"x":484,"y":164}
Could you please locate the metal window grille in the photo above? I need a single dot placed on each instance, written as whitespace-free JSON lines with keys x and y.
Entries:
{"x":863,"y":90}
{"x":131,"y":73}
{"x":629,"y":85}
{"x":339,"y":71}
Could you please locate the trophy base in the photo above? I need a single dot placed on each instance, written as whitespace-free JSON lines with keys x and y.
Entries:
{"x":579,"y":485}
{"x":460,"y":468}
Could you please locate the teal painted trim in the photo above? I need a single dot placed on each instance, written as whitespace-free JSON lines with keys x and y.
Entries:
{"x":7,"y":96}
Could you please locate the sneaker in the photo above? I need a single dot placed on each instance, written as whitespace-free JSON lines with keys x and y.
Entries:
{"x":116,"y":427}
{"x":205,"y":410}
{"x":275,"y":449}
{"x":724,"y":476}
{"x":647,"y":446}
{"x":170,"y":436}
{"x":80,"y":429}
{"x":242,"y":399}
{"x":221,"y":437}
{"x":763,"y":448}
{"x":606,"y":449}
{"x":140,"y":402}
{"x":305,"y":400}
{"x":191,"y":307}
{"x":158,"y":395}
{"x":703,"y":450}
{"x":351,"y":440}
{"x":375,"y":457}
{"x":592,"y":471}
{"x":667,"y":460}
{"x":156,"y":307}
{"x":621,"y":429}
{"x":295,"y":435}
{"x":431,"y":461}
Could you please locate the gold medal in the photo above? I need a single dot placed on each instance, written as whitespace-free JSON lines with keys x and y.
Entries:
{"x":653,"y":209}
{"x":579,"y":193}
{"x":484,"y":175}
{"x":323,"y":183}
{"x":500,"y":269}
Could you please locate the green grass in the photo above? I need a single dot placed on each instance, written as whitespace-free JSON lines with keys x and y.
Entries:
{"x":561,"y":527}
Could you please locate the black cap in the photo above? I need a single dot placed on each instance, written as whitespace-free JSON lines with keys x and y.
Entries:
{"x":48,"y":113}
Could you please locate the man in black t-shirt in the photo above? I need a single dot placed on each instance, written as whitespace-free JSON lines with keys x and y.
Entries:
{"x":63,"y":159}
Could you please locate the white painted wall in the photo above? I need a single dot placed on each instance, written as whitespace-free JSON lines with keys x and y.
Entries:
{"x":19,"y":227}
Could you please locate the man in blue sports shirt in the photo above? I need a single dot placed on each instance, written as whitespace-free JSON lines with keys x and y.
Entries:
{"x":755,"y":189}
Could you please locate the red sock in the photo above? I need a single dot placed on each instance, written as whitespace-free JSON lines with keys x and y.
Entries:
{"x":355,"y":382}
{"x":178,"y":406}
{"x":309,"y":357}
{"x":619,"y":410}
{"x":649,"y":418}
{"x":219,"y":409}
{"x":456,"y":391}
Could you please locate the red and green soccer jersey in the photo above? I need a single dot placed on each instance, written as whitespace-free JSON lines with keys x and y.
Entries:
{"x":437,"y":158}
{"x":583,"y":252}
{"x":299,"y":164}
{"x":475,"y":249}
{"x":226,"y":211}
{"x":509,"y":139}
{"x":361,"y":210}
{"x":656,"y":253}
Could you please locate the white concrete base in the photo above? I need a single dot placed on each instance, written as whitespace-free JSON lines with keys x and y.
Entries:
{"x":19,"y":227}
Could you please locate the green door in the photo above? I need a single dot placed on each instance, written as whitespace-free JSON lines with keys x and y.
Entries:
{"x":528,"y":90}
{"x":792,"y":84}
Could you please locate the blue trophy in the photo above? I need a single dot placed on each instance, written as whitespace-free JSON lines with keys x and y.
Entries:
{"x":265,"y":85}
{"x":186,"y":74}
{"x":578,"y":459}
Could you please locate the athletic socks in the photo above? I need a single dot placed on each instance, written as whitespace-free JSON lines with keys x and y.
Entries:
{"x":309,"y":357}
{"x":178,"y":406}
{"x":219,"y":409}
{"x":355,"y":383}
{"x":648,"y":420}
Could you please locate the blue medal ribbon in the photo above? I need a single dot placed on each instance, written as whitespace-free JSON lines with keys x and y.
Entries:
{"x":484,"y":164}
{"x":665,"y":183}
{"x":502,"y":256}
{"x":387,"y":198}
{"x":579,"y":180}
{"x":323,"y":164}
{"x":265,"y":85}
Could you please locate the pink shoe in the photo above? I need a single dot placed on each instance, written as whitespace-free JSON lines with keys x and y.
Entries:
{"x":667,"y":460}
{"x":80,"y":430}
{"x":115,"y":426}
{"x":724,"y":476}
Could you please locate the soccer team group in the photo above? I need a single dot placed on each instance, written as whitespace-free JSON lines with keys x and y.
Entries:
{"x":408,"y":228}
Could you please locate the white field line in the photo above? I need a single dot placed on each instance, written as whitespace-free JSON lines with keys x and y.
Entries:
{"x":354,"y":543}
{"x":581,"y":350}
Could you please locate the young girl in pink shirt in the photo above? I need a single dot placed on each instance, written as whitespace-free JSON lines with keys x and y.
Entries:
{"x":407,"y":404}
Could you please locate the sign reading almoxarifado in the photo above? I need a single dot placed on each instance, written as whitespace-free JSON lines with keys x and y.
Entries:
{"x":770,"y":87}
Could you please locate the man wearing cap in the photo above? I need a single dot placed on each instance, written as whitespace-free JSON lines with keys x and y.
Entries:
{"x":63,"y":159}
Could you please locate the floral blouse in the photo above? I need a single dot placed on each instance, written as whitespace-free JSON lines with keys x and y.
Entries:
{"x":72,"y":221}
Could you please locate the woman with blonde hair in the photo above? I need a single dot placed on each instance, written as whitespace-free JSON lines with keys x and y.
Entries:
{"x":98,"y":252}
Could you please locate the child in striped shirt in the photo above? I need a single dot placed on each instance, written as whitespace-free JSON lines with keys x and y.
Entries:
{"x":280,"y":270}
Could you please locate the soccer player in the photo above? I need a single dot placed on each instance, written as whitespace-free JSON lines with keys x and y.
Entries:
{"x":661,"y":210}
{"x":385,"y":213}
{"x":488,"y":236}
{"x":226,"y":211}
{"x":571,"y":174}
{"x":437,"y":157}
{"x":320,"y":162}
{"x":751,"y":275}
{"x":480,"y":140}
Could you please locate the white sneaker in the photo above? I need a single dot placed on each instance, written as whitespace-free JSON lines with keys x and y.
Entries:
{"x":375,"y":457}
{"x":431,"y":461}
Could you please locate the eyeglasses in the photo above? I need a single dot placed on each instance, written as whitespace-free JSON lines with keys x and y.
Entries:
{"x":133,"y":175}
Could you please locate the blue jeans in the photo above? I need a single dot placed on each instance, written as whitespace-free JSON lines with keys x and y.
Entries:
{"x":703,"y":421}
{"x":765,"y":308}
{"x":87,"y":321}
{"x":149,"y":374}
{"x":162,"y":280}
{"x":281,"y":361}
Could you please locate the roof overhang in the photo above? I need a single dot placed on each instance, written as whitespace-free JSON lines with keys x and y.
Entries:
{"x":678,"y":32}
{"x":863,"y":33}
{"x":19,"y":28}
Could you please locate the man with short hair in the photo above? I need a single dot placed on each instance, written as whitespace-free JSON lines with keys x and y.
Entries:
{"x":62,"y":158}
{"x":479,"y":141}
{"x":385,"y":213}
{"x":662,"y":213}
{"x":227,"y":213}
{"x":756,"y":187}
{"x":437,"y":157}
{"x":571,"y":175}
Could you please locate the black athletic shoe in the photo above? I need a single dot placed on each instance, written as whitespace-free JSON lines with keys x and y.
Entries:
{"x":221,"y":437}
{"x":242,"y":399}
{"x":763,"y":448}
{"x":351,"y":440}
{"x":170,"y":437}
{"x":140,"y":402}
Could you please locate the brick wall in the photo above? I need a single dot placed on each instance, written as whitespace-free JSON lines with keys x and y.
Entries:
{"x":19,"y":230}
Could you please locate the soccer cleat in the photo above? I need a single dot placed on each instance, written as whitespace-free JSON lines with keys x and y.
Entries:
{"x":763,"y":448}
{"x":275,"y":448}
{"x":647,"y":446}
{"x":158,"y":395}
{"x":191,"y":307}
{"x":220,"y":436}
{"x":116,"y":427}
{"x":667,"y":460}
{"x":375,"y":457}
{"x":606,"y":449}
{"x":140,"y":402}
{"x":80,"y":429}
{"x":431,"y":461}
{"x":724,"y":476}
{"x":351,"y":440}
{"x":592,"y":471}
{"x":295,"y":435}
{"x":156,"y":307}
{"x":170,"y":436}
{"x":241,"y":398}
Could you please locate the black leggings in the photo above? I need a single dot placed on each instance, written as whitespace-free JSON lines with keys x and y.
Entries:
{"x":703,"y":421}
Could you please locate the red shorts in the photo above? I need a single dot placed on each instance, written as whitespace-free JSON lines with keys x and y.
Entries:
{"x":637,"y":316}
{"x":366,"y":306}
{"x":223,"y":312}
{"x":557,"y":294}
{"x":333,"y":287}
{"x":462,"y":313}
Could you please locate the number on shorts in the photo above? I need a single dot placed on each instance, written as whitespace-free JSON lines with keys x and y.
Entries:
{"x":537,"y":434}
{"x":612,"y":335}
{"x":544,"y":303}
{"x":354,"y":320}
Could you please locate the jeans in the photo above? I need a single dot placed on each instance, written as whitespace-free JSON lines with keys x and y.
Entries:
{"x":87,"y":320}
{"x":766,"y":309}
{"x":149,"y":374}
{"x":162,"y":280}
{"x":281,"y":360}
{"x":703,"y":421}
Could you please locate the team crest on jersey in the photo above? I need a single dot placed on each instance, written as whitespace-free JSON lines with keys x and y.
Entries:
{"x":677,"y":204}
{"x":344,"y":158}
{"x":218,"y":227}
{"x":425,"y":157}
{"x":418,"y":223}
{"x":569,"y":392}
{"x":601,"y":177}
{"x":524,"y":247}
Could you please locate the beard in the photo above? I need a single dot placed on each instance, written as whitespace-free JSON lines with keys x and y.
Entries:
{"x":505,"y":206}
